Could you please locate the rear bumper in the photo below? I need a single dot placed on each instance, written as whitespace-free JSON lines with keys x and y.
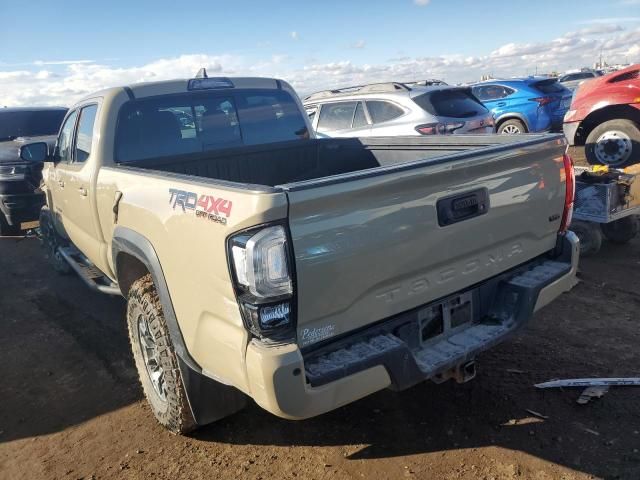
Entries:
{"x":297,"y":385}
{"x":21,"y":207}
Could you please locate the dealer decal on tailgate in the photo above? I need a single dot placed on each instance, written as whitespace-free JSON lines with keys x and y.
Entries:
{"x":205,"y":206}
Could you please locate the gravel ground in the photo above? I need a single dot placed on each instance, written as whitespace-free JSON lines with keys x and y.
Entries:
{"x":71,"y":406}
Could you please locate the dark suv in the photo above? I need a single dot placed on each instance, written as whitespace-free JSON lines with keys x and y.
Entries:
{"x":20,"y":196}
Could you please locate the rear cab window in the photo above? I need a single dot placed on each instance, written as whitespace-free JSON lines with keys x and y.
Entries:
{"x":204,"y":121}
{"x":454,"y":103}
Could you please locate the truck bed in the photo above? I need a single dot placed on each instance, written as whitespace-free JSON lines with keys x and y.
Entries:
{"x":298,"y":161}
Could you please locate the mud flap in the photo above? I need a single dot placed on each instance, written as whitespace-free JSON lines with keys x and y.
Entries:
{"x":209,"y":400}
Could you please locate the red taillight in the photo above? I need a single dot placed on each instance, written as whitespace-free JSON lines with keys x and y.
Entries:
{"x":570,"y":181}
{"x":438,"y":128}
{"x":542,"y":100}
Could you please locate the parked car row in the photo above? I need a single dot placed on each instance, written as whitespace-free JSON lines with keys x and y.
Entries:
{"x":513,"y":106}
{"x":389,"y":109}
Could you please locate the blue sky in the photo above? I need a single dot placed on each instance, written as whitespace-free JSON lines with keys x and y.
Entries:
{"x":333,"y":41}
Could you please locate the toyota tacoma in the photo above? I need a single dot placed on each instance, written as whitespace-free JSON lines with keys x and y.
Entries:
{"x":260,"y":262}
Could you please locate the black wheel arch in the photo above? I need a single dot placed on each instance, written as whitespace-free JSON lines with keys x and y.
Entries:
{"x":133,"y":257}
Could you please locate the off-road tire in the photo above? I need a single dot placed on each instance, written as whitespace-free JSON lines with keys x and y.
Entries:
{"x":621,"y":231}
{"x":512,"y":124}
{"x":626,"y":127}
{"x":51,"y":241}
{"x":6,"y":229}
{"x":174,"y":413}
{"x":590,"y":237}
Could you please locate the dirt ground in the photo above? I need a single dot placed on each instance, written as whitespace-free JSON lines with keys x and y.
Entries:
{"x":71,"y":406}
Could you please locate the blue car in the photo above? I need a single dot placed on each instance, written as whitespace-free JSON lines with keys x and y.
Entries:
{"x":524,"y":105}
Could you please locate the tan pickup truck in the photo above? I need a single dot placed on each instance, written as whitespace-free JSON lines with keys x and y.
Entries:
{"x":260,"y":262}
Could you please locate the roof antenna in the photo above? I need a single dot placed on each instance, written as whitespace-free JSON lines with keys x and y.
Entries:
{"x":202,"y":73}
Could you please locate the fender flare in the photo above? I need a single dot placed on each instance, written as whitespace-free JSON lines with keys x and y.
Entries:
{"x":517,"y":116}
{"x":208,"y":399}
{"x":128,"y":241}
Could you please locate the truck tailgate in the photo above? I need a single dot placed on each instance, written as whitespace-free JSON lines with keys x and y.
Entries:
{"x":371,"y":245}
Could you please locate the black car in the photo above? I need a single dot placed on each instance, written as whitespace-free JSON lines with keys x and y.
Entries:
{"x":20,"y":196}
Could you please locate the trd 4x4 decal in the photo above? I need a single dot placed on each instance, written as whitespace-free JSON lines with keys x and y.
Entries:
{"x":205,"y":206}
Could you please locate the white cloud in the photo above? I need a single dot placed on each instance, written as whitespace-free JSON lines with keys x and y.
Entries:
{"x":596,"y":29}
{"x":65,"y":84}
{"x":61,"y":62}
{"x":609,"y":20}
{"x":421,"y":3}
{"x":294,"y":35}
{"x":359,"y":44}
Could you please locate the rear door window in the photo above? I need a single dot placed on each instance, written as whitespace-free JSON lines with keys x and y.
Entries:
{"x":458,"y":103}
{"x":336,"y":116}
{"x":381,"y":111}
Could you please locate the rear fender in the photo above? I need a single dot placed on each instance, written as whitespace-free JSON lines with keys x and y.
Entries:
{"x":203,"y":393}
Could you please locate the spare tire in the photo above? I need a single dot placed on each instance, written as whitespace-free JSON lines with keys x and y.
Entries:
{"x":615,"y":143}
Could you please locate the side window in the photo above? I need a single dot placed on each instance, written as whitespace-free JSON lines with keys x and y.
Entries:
{"x":84,"y":137}
{"x":383,"y":111}
{"x":491,"y":92}
{"x":64,"y":143}
{"x":359,"y":119}
{"x":336,"y":116}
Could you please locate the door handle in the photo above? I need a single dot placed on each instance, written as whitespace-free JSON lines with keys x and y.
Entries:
{"x":83,"y":191}
{"x":501,"y":104}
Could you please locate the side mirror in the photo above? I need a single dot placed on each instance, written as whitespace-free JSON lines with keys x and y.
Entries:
{"x":34,"y":152}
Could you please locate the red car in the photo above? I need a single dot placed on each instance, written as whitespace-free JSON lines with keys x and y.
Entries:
{"x":605,"y":117}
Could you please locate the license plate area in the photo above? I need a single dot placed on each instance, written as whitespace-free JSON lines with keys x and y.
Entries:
{"x":445,"y":318}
